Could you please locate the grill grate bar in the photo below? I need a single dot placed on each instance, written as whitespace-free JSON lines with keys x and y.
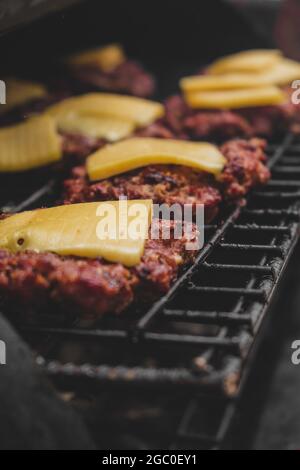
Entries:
{"x":293,"y":196}
{"x":295,"y":170}
{"x":293,"y":214}
{"x":262,"y":228}
{"x":236,"y":267}
{"x":245,"y":247}
{"x":291,"y":160}
{"x":35,"y":197}
{"x":145,"y":375}
{"x":190,"y":340}
{"x":220,"y":318}
{"x":253,"y":293}
{"x":284,"y":183}
{"x":75,"y":332}
{"x":278,"y":150}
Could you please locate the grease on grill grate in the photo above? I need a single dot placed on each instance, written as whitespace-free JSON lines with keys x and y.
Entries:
{"x":197,"y":337}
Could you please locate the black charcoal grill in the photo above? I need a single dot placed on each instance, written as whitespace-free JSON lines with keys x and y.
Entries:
{"x":171,"y":375}
{"x":200,"y":337}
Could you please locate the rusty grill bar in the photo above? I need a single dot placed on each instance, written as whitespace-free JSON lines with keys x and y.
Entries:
{"x":200,"y":334}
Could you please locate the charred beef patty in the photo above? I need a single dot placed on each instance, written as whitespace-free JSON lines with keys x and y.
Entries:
{"x":245,"y":167}
{"x":164,"y":184}
{"x":90,"y":288}
{"x":274,"y":120}
{"x":216,"y":125}
{"x":219,"y":125}
{"x":169,"y":184}
{"x":128,"y":77}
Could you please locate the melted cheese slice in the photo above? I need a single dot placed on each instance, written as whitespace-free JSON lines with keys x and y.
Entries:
{"x":107,"y":57}
{"x":282,"y":73}
{"x":252,"y":61}
{"x":116,"y":231}
{"x":19,"y":92}
{"x":109,"y":128}
{"x":139,"y":152}
{"x":220,"y":82}
{"x":139,"y":111}
{"x":232,"y":99}
{"x":32,"y":144}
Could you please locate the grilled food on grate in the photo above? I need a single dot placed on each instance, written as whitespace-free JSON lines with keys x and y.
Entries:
{"x":40,"y":283}
{"x":266,"y":121}
{"x":108,"y":69}
{"x":246,"y":94}
{"x":86,"y":123}
{"x":169,"y":184}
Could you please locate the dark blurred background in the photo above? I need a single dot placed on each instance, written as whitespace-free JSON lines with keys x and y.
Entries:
{"x":171,"y":37}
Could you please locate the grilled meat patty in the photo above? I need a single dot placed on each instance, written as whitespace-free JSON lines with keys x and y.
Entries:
{"x":219,"y":125}
{"x":90,"y":288}
{"x":171,"y":184}
{"x":245,"y":167}
{"x":161,"y":183}
{"x":216,"y":125}
{"x":128,"y":77}
{"x":274,"y":120}
{"x":77,"y":146}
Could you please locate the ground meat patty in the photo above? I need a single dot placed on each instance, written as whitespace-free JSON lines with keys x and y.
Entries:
{"x":245,"y":169}
{"x":217,"y":125}
{"x":158,"y":129}
{"x":163,"y":259}
{"x":89,"y":288}
{"x":161,"y":183}
{"x":129,"y":77}
{"x":268,"y":121}
{"x":77,"y":147}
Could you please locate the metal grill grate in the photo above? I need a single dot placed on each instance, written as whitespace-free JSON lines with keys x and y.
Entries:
{"x":200,"y":335}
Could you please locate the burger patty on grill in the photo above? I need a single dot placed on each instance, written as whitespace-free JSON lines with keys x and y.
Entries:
{"x":45,"y":282}
{"x":274,"y":120}
{"x":128,"y":77}
{"x":161,"y":183}
{"x":219,"y":125}
{"x":171,"y":184}
{"x":77,"y":147}
{"x":245,"y":167}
